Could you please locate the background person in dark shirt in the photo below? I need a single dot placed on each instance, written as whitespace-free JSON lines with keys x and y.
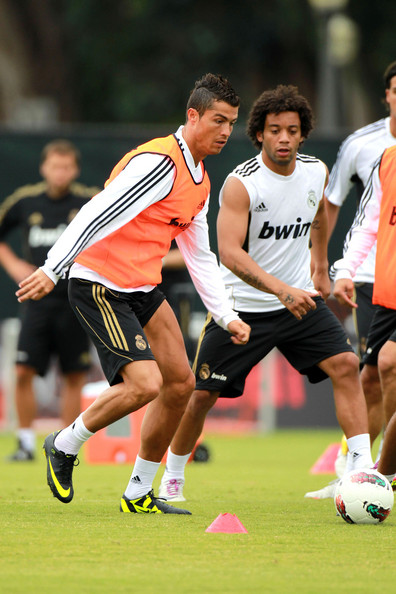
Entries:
{"x":41,"y":212}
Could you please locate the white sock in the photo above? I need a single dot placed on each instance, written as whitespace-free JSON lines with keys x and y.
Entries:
{"x":27,"y":437}
{"x":141,"y":481}
{"x":390,"y":477}
{"x":359,"y":452}
{"x":70,"y":439}
{"x":175,"y":465}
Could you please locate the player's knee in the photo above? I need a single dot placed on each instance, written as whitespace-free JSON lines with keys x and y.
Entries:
{"x":370,"y":380}
{"x":75,"y":379}
{"x":189,"y":384}
{"x":347,"y":366}
{"x":144,"y":390}
{"x":202,"y":401}
{"x":24,"y":374}
{"x":178,"y":393}
{"x":142,"y":383}
{"x":386,"y":364}
{"x":151,"y":388}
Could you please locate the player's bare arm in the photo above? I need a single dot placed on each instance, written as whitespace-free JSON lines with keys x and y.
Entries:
{"x":232,"y":226}
{"x":16,"y":267}
{"x":332,"y":211}
{"x":319,"y":241}
{"x":35,"y":287}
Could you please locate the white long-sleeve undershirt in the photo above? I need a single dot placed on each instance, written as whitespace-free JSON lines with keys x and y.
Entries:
{"x":363,"y":233}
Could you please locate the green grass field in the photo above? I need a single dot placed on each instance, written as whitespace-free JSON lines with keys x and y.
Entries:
{"x":293,"y":544}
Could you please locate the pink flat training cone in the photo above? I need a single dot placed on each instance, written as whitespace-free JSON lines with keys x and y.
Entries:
{"x":325,"y":464}
{"x":228,"y":524}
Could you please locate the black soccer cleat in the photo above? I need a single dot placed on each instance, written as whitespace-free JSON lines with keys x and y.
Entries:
{"x":59,"y":469}
{"x":148,"y":504}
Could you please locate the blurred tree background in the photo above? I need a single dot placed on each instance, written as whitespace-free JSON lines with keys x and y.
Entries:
{"x":109,"y":75}
{"x":129,"y":61}
{"x":112,"y":74}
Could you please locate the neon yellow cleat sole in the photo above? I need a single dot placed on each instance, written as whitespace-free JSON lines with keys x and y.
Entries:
{"x":148,"y":504}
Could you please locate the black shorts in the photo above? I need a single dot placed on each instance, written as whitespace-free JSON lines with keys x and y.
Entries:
{"x":49,"y":327}
{"x":363,"y":314}
{"x":115,"y":320}
{"x":223,"y":366}
{"x":382,"y":329}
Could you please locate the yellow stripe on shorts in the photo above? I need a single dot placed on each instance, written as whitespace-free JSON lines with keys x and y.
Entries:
{"x":201,"y":337}
{"x":113,"y":328}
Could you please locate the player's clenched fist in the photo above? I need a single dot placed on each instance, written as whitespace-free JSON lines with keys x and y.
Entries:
{"x":240,"y":331}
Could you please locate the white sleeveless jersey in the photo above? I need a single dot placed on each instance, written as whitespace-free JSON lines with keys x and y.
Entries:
{"x":281,"y":212}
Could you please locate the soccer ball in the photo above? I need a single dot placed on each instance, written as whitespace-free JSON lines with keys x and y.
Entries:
{"x":364,"y":497}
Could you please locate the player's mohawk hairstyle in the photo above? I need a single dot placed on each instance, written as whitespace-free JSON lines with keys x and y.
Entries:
{"x":211,"y":88}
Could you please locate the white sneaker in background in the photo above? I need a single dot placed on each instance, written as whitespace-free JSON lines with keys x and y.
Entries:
{"x":171,"y":489}
{"x":326,"y":492}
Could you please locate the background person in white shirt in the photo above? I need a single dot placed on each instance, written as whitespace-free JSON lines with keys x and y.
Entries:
{"x":355,"y":160}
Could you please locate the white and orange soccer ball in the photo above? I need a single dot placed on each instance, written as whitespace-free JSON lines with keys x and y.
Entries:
{"x":364,"y":497}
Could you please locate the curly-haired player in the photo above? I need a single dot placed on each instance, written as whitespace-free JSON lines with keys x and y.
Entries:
{"x":271,"y":209}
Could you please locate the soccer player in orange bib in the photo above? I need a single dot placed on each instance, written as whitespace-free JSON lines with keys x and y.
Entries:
{"x":113,"y":250}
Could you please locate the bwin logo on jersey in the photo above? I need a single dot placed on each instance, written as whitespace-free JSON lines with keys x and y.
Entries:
{"x":177,"y":223}
{"x":286,"y":232}
{"x":312,"y":199}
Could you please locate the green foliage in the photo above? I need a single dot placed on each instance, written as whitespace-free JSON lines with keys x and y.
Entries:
{"x":377,"y":45}
{"x":134,"y":61}
{"x":293,"y":544}
{"x":137,"y":61}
